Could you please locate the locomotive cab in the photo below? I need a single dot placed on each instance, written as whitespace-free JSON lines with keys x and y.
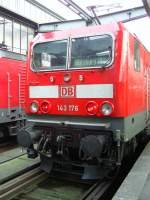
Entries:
{"x":78,"y":93}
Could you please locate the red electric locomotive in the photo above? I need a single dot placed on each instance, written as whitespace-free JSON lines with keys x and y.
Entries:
{"x":12,"y":87}
{"x":88,"y":95}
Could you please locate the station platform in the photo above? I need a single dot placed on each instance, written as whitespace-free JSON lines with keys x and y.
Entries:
{"x":136,"y":185}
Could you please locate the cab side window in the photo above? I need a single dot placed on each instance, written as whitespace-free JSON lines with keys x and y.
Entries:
{"x":136,"y":56}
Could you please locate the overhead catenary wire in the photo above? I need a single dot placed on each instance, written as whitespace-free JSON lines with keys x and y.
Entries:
{"x":77,"y":9}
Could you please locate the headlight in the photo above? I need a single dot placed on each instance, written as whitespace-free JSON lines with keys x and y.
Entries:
{"x":45,"y":107}
{"x":106,"y":108}
{"x":34,"y":107}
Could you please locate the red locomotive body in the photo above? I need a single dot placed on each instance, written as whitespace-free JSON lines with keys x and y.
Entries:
{"x":88,"y":94}
{"x":12,"y":87}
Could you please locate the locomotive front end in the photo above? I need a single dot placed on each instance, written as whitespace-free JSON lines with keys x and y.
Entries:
{"x":71,"y":102}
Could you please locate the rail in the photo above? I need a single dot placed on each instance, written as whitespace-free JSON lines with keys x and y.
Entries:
{"x":9,"y":189}
{"x":97,"y":191}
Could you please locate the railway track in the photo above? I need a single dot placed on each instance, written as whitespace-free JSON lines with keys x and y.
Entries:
{"x":10,"y":153}
{"x":97,"y":191}
{"x":9,"y":189}
{"x":13,"y":163}
{"x":15,"y":182}
{"x":38,"y":185}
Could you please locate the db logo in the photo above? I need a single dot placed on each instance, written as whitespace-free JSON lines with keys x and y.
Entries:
{"x":67,"y":91}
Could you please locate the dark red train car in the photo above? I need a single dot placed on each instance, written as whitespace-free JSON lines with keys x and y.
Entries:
{"x":12,"y":92}
{"x":88,"y":93}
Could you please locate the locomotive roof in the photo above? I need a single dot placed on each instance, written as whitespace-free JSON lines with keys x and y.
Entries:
{"x":82,"y":31}
{"x":77,"y":32}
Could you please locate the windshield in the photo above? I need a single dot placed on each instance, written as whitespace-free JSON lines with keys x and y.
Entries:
{"x":91,"y":51}
{"x":49,"y":55}
{"x":84,"y":52}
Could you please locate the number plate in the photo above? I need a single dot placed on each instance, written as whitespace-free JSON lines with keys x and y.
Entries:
{"x":67,"y":108}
